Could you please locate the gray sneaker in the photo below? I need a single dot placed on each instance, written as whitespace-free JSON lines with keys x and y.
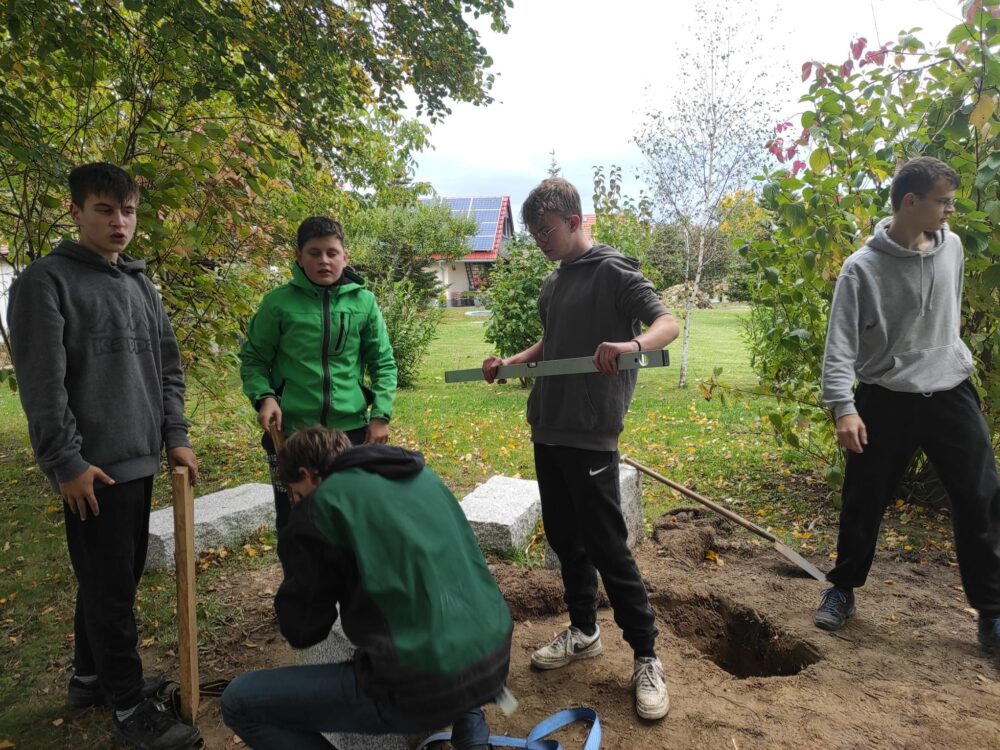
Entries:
{"x":835,"y":608}
{"x":570,"y":645}
{"x":651,"y":699}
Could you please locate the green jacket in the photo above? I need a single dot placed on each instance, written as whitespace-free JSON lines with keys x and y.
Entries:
{"x":385,"y":539}
{"x":310,"y":347}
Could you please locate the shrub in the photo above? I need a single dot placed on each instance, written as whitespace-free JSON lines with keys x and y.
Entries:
{"x":411,"y":323}
{"x":513,"y":297}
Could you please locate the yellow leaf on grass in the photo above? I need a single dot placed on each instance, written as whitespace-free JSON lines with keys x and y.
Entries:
{"x":6,"y":745}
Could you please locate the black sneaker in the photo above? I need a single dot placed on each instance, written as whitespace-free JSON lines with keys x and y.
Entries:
{"x":989,"y":635}
{"x":835,"y":608}
{"x":151,"y":729}
{"x":88,"y":694}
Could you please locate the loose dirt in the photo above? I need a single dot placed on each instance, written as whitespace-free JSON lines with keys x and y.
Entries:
{"x":746,"y":668}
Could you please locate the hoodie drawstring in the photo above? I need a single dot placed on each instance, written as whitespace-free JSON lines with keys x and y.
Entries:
{"x":928,"y":298}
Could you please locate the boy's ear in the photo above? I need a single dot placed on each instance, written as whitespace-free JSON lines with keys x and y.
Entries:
{"x":74,"y":211}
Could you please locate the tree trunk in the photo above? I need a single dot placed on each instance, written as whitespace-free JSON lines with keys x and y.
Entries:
{"x":692,"y":296}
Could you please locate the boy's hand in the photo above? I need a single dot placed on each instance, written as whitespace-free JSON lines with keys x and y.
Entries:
{"x":269,"y":409}
{"x":606,"y":355}
{"x":851,"y":433}
{"x":490,"y":366}
{"x":184,"y":456}
{"x":377,"y":432}
{"x":78,"y":493}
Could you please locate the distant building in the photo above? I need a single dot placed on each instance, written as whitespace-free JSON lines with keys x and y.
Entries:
{"x":466,"y":275}
{"x":588,"y":225}
{"x":6,"y":279}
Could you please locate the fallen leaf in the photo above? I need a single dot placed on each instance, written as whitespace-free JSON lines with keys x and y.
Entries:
{"x":57,"y":722}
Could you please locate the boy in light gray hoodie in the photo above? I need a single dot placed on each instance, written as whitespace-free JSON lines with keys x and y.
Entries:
{"x":592,"y":304}
{"x":894,"y":328}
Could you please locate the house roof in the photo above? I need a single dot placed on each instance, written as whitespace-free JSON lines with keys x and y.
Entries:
{"x":493,"y":217}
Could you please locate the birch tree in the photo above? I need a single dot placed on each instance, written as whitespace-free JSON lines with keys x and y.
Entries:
{"x":708,"y":141}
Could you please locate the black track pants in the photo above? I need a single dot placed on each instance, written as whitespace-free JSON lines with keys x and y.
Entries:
{"x":581,"y":510}
{"x":108,"y":553}
{"x":949,"y":427}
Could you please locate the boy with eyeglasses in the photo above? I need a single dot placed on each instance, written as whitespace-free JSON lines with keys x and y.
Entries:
{"x":895,"y":329}
{"x":593,"y":303}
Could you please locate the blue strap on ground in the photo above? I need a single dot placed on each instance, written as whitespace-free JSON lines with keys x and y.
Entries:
{"x":536,"y":737}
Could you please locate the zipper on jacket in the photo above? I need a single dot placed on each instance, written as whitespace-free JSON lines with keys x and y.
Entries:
{"x":326,"y":354}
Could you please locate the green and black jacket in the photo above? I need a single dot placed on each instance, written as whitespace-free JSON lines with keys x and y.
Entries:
{"x":386,"y":540}
{"x":310,"y":347}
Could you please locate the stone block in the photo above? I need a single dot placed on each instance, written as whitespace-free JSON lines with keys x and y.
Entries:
{"x":223,"y":518}
{"x":503,"y":512}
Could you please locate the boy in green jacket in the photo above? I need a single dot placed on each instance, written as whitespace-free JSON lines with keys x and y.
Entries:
{"x":377,"y":534}
{"x":309,"y":346}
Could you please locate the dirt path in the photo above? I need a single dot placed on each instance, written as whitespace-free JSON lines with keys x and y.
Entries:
{"x":745,"y":666}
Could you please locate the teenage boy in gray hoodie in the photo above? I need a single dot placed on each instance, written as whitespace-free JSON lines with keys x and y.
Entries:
{"x":100,"y":381}
{"x":593,"y":303}
{"x":894,"y":328}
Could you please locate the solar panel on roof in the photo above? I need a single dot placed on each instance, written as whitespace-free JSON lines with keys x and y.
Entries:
{"x":487,"y":203}
{"x":481,"y":243}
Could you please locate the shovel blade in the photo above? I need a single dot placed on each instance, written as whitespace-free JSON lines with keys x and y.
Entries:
{"x":790,"y":554}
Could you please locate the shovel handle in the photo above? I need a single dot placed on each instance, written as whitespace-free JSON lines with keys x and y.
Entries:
{"x":734,"y":517}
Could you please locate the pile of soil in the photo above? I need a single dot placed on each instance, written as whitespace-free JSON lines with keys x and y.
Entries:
{"x":745,"y":666}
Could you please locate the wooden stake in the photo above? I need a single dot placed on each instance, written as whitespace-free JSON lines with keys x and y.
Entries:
{"x":187,"y":619}
{"x":277,"y":437}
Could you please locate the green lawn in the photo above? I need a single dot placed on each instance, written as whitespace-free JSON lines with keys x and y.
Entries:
{"x":468,"y":432}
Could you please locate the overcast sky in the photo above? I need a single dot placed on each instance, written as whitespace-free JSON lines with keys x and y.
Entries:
{"x":576,"y":76}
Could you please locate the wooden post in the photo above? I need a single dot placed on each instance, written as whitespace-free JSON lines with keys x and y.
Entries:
{"x":187,"y":616}
{"x":277,"y":437}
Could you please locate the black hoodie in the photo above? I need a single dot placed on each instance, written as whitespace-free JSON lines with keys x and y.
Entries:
{"x":601,"y":296}
{"x":97,"y":364}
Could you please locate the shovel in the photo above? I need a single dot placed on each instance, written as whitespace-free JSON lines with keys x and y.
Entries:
{"x":786,"y":552}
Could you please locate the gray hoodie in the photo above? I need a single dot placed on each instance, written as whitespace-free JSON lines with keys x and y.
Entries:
{"x":601,"y":296}
{"x":97,"y":365}
{"x":895,"y":319}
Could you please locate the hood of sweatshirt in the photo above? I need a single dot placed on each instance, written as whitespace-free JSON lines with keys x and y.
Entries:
{"x":76,"y":251}
{"x":388,"y":461}
{"x":598,"y":254}
{"x":926,"y":259}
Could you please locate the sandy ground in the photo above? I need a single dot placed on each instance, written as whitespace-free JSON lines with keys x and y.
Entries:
{"x":746,"y":667}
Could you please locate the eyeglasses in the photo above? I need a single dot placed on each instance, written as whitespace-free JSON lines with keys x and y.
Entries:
{"x":542,"y":235}
{"x":946,"y":202}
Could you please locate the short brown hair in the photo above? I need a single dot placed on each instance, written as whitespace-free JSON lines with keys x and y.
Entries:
{"x":318,"y":226}
{"x":312,"y":448}
{"x":101,"y":178}
{"x":555,"y":195}
{"x":919,"y":176}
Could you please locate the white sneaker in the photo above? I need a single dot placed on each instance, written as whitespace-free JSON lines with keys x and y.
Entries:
{"x":570,"y":645}
{"x":651,"y":699}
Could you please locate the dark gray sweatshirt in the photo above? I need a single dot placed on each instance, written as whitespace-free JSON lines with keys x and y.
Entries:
{"x":895,"y":320}
{"x":97,"y":365}
{"x":601,"y":296}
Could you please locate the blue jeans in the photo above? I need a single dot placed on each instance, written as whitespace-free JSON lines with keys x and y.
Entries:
{"x":290,"y":707}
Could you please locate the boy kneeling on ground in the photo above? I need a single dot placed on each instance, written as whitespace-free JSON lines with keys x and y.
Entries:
{"x":377,"y":533}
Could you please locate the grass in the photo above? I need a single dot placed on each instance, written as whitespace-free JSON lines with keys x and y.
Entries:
{"x":468,"y":432}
